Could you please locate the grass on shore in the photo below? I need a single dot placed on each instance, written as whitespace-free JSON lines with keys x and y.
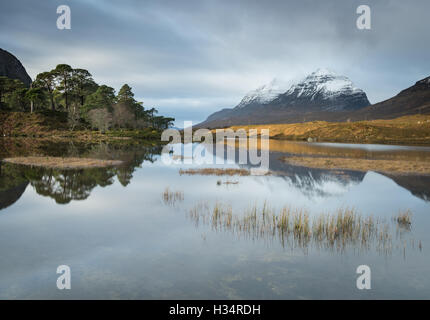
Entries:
{"x":404,"y":130}
{"x":63,"y":163}
{"x":357,"y":164}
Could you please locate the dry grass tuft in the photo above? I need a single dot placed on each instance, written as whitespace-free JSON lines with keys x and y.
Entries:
{"x":404,"y":219}
{"x":172,"y":197}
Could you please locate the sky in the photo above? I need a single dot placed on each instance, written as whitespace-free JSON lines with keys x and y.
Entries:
{"x":191,"y":58}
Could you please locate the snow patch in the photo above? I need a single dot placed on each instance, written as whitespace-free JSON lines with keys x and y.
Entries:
{"x":265,"y":93}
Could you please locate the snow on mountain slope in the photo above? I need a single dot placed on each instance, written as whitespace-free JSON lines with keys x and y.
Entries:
{"x":320,"y":92}
{"x":264,"y":94}
{"x":324,"y":82}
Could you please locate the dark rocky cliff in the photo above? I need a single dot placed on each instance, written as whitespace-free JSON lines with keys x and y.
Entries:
{"x":12,"y":68}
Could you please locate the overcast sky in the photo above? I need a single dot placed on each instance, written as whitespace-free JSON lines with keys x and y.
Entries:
{"x":191,"y":58}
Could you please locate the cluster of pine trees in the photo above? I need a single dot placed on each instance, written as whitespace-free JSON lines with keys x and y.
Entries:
{"x":87,"y":104}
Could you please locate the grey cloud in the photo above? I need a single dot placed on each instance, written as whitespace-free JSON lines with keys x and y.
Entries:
{"x":190,"y":58}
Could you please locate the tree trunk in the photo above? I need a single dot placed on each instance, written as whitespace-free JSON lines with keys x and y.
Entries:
{"x":65,"y":93}
{"x":31,"y":106}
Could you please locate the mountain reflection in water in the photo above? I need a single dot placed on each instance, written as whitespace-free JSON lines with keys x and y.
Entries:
{"x":137,"y":231}
{"x":66,"y":185}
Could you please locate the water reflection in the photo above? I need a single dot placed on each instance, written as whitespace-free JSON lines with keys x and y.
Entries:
{"x":12,"y":185}
{"x":65,"y":185}
{"x":325,"y":182}
{"x":138,"y":241}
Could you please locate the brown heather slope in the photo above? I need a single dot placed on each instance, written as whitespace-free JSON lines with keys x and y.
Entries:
{"x":413,"y":130}
{"x":413,"y":100}
{"x":31,"y":124}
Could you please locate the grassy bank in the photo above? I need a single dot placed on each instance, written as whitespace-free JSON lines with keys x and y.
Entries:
{"x":53,"y":125}
{"x":408,"y":130}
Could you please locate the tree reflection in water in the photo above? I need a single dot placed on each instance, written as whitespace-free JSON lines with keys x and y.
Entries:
{"x":65,"y":185}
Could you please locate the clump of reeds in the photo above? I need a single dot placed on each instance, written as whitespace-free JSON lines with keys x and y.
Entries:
{"x":404,"y":219}
{"x":215,"y":172}
{"x":172,"y":197}
{"x":346,"y":227}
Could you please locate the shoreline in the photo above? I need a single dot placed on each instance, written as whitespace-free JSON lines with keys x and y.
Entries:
{"x":411,"y":130}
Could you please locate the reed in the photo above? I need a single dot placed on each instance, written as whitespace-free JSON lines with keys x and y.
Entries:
{"x":404,"y":219}
{"x":172,"y":197}
{"x":293,"y":227}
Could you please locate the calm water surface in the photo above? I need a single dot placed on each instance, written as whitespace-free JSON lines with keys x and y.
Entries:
{"x":122,"y":241}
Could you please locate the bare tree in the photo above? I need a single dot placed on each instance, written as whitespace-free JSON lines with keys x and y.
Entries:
{"x":73,"y":116}
{"x":100,"y":119}
{"x":123,"y":117}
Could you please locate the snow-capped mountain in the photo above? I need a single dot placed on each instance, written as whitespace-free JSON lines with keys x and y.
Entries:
{"x":264,"y":94}
{"x":322,"y":91}
{"x":330,"y":91}
{"x":325,"y":82}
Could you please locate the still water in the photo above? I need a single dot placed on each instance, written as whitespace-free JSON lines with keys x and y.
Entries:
{"x":122,"y":241}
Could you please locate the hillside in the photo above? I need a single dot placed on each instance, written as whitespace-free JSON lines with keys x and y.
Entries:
{"x":414,"y":130}
{"x":31,"y":124}
{"x":12,"y":68}
{"x":54,"y":125}
{"x":413,"y":100}
{"x":322,"y":96}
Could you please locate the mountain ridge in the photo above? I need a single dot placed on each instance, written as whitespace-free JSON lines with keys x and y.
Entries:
{"x":324,"y":96}
{"x":11,"y":67}
{"x":320,"y":91}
